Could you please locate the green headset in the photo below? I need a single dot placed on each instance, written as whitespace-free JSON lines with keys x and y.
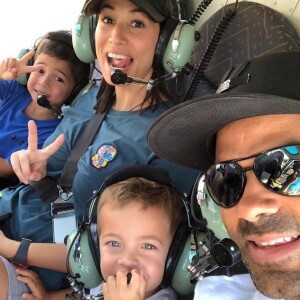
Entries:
{"x":60,"y":36}
{"x":83,"y":259}
{"x":222,"y":255}
{"x":210,"y":212}
{"x":174,"y":48}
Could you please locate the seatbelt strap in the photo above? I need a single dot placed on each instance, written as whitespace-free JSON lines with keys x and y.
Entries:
{"x":82,"y":143}
{"x":47,"y":188}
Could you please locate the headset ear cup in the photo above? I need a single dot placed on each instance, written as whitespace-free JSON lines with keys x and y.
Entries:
{"x":179,"y":49}
{"x":83,"y":37}
{"x":81,"y":260}
{"x":210,"y":211}
{"x":175,"y":252}
{"x":165,"y":34}
{"x":94,"y":245}
{"x":181,"y":279}
{"x":22,"y":79}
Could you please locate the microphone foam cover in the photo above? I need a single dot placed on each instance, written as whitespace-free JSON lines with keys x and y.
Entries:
{"x":118,"y":77}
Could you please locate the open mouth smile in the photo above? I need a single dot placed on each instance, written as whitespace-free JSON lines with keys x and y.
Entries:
{"x":274,"y":250}
{"x":118,"y":61}
{"x":276,"y":242}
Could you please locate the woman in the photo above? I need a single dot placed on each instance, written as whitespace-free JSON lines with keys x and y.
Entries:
{"x":126,"y":36}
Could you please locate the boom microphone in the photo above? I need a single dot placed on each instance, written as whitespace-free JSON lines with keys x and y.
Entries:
{"x":119,"y":77}
{"x":224,"y":253}
{"x":44,"y":102}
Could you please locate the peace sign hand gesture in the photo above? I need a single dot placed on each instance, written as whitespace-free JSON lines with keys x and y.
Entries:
{"x":11,"y":68}
{"x":30,"y":164}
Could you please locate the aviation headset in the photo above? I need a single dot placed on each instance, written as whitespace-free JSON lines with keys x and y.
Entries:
{"x":223,"y":256}
{"x":174,"y":48}
{"x":60,"y":36}
{"x":83,"y":261}
{"x":209,"y":213}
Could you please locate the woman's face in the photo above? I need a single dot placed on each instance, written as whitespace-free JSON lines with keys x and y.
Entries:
{"x":126,"y":39}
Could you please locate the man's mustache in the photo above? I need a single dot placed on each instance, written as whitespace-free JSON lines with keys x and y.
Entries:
{"x":269,"y":224}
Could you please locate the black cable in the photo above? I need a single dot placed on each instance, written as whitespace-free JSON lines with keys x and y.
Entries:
{"x":209,"y":53}
{"x":98,"y":70}
{"x":199,"y":11}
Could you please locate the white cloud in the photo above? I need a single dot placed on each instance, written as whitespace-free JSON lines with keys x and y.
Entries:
{"x":23,"y":21}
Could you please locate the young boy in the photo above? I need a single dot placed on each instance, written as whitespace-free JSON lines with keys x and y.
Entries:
{"x":137,"y":219}
{"x":55,"y":73}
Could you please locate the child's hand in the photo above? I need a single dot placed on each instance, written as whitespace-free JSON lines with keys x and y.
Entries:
{"x":38,"y":291}
{"x":30,"y":164}
{"x":116,"y":287}
{"x":11,"y":68}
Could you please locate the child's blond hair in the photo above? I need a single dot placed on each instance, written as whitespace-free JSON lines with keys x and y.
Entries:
{"x":148,"y":194}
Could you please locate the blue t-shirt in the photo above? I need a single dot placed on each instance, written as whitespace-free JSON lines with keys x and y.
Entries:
{"x":121,"y":141}
{"x":14,"y":98}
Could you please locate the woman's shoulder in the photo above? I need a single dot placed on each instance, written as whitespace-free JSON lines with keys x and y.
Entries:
{"x":165,"y":105}
{"x":87,"y":99}
{"x":157,"y":109}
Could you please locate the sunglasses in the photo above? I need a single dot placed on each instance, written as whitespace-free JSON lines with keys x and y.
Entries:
{"x":278,"y":170}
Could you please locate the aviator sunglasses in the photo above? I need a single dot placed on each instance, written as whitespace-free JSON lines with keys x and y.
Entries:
{"x":278,"y":170}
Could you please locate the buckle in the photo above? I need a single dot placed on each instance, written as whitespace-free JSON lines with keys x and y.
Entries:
{"x":64,"y":195}
{"x":63,"y":203}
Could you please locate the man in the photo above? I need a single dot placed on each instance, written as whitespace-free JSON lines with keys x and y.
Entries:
{"x":235,"y":138}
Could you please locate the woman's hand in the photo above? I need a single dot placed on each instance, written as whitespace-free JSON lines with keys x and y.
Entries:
{"x":117,"y":288}
{"x":11,"y":68}
{"x":30,"y":164}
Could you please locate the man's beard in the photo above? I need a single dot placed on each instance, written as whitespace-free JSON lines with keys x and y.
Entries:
{"x":273,"y":280}
{"x":276,"y":279}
